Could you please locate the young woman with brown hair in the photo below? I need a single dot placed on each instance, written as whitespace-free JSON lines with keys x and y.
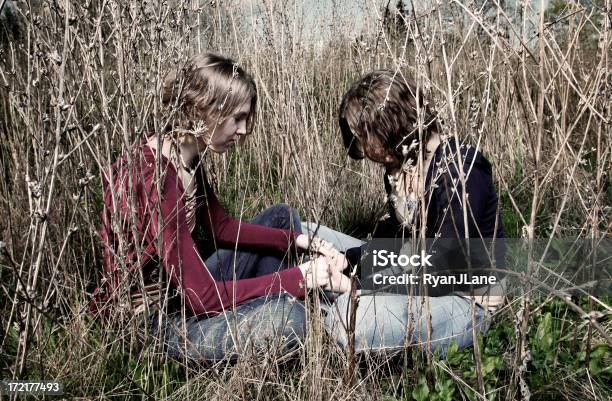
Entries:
{"x":384,"y":117}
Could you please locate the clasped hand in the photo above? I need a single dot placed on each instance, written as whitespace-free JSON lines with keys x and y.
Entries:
{"x":326,"y":269}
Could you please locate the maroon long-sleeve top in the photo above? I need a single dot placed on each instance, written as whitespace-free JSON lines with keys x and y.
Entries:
{"x":165,"y":219}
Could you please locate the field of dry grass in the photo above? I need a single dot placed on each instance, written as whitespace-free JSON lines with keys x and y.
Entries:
{"x":80,"y":82}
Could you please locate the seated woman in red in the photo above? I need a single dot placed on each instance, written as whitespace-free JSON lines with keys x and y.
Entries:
{"x":230,"y":288}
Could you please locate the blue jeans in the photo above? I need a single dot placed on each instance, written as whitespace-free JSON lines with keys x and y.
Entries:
{"x":277,"y":324}
{"x":382,"y":320}
{"x":273,"y":324}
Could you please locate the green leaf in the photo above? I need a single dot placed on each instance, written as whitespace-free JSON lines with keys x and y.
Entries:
{"x":445,"y":390}
{"x":453,"y":357}
{"x":601,"y":351}
{"x":595,"y":367}
{"x":599,"y":360}
{"x":545,"y":333}
{"x":490,"y":363}
{"x":421,"y":390}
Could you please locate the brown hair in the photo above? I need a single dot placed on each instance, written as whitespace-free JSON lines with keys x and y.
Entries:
{"x":209,"y":87}
{"x":378,"y":119}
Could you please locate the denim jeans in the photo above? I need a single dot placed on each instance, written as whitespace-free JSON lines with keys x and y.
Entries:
{"x":263,"y":326}
{"x":276,"y":323}
{"x":382,"y":322}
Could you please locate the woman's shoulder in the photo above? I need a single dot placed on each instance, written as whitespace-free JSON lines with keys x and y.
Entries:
{"x":453,"y":158}
{"x":137,"y":157}
{"x":141,"y":160}
{"x":461,"y":154}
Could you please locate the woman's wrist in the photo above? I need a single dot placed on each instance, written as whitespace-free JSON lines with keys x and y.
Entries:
{"x":302,"y":241}
{"x":304,"y":268}
{"x":315,"y":244}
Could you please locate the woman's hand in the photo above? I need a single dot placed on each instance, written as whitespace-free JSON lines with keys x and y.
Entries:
{"x":338,"y":282}
{"x":315,"y":272}
{"x":318,"y":273}
{"x":335,"y":259}
{"x":302,"y":241}
{"x":317,"y":244}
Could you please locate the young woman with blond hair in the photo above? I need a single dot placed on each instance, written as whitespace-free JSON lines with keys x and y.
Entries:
{"x":234,"y":290}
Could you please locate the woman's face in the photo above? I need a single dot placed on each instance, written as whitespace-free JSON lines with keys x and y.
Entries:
{"x":375,"y":151}
{"x":233,"y":128}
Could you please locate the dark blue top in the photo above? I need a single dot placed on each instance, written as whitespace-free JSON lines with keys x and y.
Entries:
{"x":482,"y":197}
{"x":445,"y":221}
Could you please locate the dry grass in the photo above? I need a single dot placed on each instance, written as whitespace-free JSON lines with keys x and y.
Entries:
{"x":80,"y":82}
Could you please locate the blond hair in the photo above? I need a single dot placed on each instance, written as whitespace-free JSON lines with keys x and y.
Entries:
{"x":209,"y":87}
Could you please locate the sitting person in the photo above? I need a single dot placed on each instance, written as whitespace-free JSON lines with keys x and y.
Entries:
{"x":379,"y":120}
{"x":231,"y":289}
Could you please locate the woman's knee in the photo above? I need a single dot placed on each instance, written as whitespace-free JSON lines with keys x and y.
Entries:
{"x":294,"y":329}
{"x":263,"y":325}
{"x":279,"y":216}
{"x":286,"y":317}
{"x":273,"y":325}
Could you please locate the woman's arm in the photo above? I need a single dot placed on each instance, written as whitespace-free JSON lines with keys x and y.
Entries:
{"x":451,"y":255}
{"x":186,"y":269}
{"x":229,"y":232}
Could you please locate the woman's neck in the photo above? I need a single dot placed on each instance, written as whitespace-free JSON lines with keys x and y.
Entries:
{"x":187,"y":150}
{"x":415,"y":182}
